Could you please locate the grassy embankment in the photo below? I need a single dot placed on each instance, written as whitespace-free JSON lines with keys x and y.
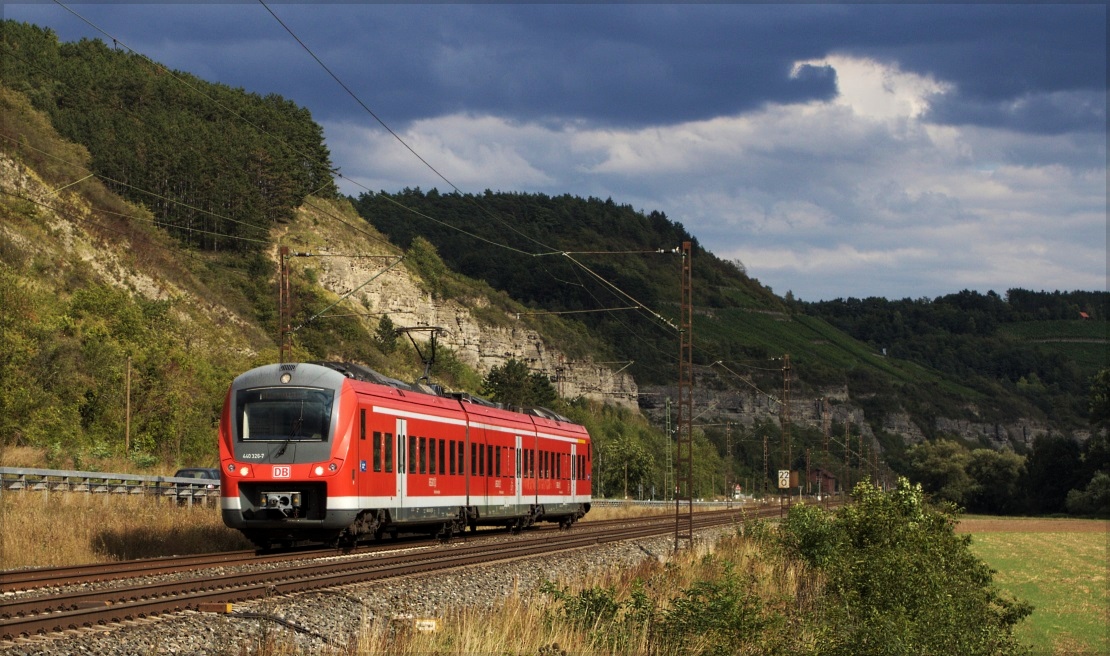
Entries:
{"x":58,"y":528}
{"x":1058,"y":565}
{"x":75,"y":528}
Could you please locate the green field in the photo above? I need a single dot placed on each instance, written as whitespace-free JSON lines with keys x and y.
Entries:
{"x":1083,"y":342}
{"x":1060,"y":568}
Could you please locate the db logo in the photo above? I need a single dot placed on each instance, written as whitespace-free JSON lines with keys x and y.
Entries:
{"x":282,"y":471}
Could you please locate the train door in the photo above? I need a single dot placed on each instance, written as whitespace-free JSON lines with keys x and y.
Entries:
{"x":573,"y":473}
{"x":403,"y":456}
{"x":518,"y":493}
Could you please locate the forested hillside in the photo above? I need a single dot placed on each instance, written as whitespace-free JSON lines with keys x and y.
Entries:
{"x":174,"y":279}
{"x":1041,"y":346}
{"x":576,"y":256}
{"x":217,"y":166}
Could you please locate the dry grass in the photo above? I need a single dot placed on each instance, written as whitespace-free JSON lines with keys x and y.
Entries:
{"x":633,"y":510}
{"x":73,"y":528}
{"x":523,"y":623}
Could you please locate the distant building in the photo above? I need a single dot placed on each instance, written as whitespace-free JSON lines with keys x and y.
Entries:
{"x":825,"y":478}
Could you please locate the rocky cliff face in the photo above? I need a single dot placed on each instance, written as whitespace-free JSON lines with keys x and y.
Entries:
{"x":747,"y":408}
{"x":479,"y":344}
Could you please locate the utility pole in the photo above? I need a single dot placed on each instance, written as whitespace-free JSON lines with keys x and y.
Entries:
{"x":667,"y":487}
{"x":862,"y":458}
{"x":847,"y":457}
{"x":825,"y":424}
{"x":825,"y":430}
{"x":127,"y":418}
{"x":807,"y":471}
{"x":728,"y":464}
{"x":765,"y":470}
{"x":787,"y":446}
{"x":284,"y":304}
{"x":684,"y":525}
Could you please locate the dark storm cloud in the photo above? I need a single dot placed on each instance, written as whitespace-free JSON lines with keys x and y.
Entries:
{"x":1021,"y":67}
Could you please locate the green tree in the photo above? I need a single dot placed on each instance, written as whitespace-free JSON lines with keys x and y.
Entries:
{"x":941,"y":468}
{"x":1099,"y":405}
{"x":899,"y":580}
{"x":1092,"y":500}
{"x":1052,"y":469}
{"x":512,"y":384}
{"x":386,"y":335}
{"x":995,"y":476}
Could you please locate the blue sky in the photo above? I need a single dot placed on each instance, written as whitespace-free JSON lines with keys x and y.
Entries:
{"x":836,"y":150}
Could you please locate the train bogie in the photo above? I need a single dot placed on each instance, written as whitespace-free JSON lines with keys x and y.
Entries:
{"x":339,"y":453}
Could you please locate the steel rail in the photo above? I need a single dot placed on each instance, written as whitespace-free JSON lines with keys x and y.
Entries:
{"x":104,"y":607}
{"x":41,"y":577}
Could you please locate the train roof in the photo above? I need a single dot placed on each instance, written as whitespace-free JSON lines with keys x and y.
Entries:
{"x":368,"y":375}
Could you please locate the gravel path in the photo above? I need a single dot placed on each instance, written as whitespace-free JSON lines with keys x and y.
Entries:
{"x":330,"y":619}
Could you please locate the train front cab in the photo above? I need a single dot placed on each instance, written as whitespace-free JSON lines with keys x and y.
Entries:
{"x":284,"y":437}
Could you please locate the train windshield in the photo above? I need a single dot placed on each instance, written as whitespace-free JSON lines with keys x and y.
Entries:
{"x":282,"y":414}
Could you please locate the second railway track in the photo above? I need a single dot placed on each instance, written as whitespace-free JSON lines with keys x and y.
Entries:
{"x":107,"y":605}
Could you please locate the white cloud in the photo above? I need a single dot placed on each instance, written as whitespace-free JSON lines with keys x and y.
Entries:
{"x":851,"y":197}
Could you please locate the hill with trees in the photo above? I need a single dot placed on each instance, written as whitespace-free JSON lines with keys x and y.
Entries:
{"x":216,"y":166}
{"x":143,"y":208}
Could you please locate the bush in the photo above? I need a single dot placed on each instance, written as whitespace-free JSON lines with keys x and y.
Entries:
{"x":899,"y":580}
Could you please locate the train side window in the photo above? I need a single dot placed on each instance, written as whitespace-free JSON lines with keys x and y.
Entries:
{"x":489,"y":460}
{"x":389,"y":453}
{"x":452,"y":458}
{"x":531,"y":463}
{"x":431,"y":455}
{"x":497,"y":460}
{"x":462,"y":461}
{"x":362,"y":424}
{"x":481,"y":459}
{"x":377,"y":446}
{"x":423,"y":441}
{"x":559,"y":466}
{"x":473,"y":459}
{"x":412,"y":454}
{"x":442,"y":456}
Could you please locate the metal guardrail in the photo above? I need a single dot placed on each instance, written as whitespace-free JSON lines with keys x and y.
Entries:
{"x":184,"y":490}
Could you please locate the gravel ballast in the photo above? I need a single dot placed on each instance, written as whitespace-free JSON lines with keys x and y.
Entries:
{"x":329,"y":620}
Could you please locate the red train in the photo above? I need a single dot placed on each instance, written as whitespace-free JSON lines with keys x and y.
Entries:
{"x":334,"y":452}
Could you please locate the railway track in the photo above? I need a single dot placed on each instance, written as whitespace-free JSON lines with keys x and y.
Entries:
{"x":53,"y":577}
{"x":303,"y":571}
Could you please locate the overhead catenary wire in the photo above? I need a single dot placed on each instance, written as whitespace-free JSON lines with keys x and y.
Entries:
{"x":568,"y":254}
{"x":439,"y":174}
{"x":178,"y":78}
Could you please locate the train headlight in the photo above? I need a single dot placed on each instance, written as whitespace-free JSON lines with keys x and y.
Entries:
{"x":319,"y":470}
{"x":243,"y":471}
{"x":286,"y":377}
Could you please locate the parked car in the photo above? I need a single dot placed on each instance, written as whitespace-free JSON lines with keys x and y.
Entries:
{"x":203,"y":473}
